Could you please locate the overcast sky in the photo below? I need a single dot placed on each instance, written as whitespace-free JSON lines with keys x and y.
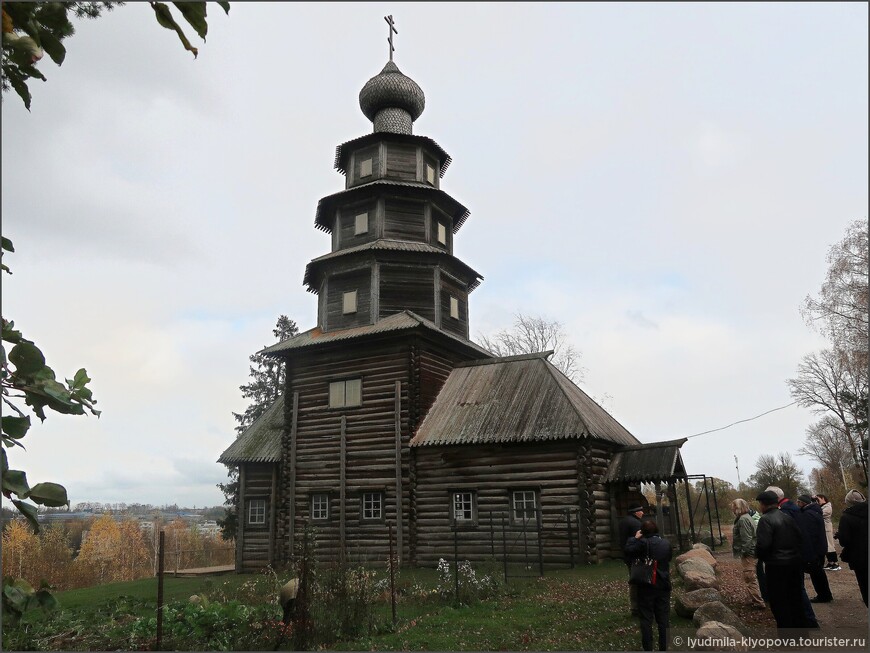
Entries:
{"x":665,"y":180}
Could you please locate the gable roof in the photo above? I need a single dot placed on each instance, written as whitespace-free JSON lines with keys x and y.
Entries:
{"x":655,"y":461}
{"x":396,"y":322}
{"x":261,"y":441}
{"x":514,"y":399}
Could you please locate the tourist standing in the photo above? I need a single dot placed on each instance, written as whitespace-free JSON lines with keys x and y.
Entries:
{"x":778,"y":545}
{"x":654,"y":600}
{"x":743,"y":547}
{"x":628,"y":526}
{"x":815,"y":547}
{"x":828,"y":512}
{"x":853,"y":538}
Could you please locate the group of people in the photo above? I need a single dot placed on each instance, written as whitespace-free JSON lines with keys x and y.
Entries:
{"x":776,"y":545}
{"x":786,"y":539}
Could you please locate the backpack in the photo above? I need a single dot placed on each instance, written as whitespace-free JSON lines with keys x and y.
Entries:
{"x":644,"y":570}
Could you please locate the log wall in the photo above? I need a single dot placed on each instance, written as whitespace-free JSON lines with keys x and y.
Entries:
{"x":255,"y":541}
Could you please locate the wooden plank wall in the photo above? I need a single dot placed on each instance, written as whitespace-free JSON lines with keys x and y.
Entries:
{"x":492,"y":471}
{"x":370,"y":443}
{"x":340,"y":284}
{"x":403,"y":219}
{"x":347,"y":225}
{"x":460,"y":326}
{"x":597,"y":516}
{"x":407,"y":288}
{"x":255,"y":543}
{"x":440,"y":216}
{"x":372,"y":153}
{"x":402,"y":162}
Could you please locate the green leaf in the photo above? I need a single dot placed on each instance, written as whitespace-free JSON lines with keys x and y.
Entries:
{"x":52,"y":46}
{"x":6,"y":244}
{"x":194,"y":13}
{"x":80,"y":380}
{"x":49,"y":494}
{"x":28,"y":511}
{"x":225,"y":5}
{"x":14,"y":480}
{"x":20,"y":86}
{"x":164,"y":17}
{"x":9,"y":332}
{"x":15,"y":427}
{"x":27,"y":358}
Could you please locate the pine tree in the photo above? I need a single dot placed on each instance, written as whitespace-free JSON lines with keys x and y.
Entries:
{"x":264,"y":388}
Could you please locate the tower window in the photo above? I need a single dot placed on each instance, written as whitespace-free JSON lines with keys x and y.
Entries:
{"x":345,"y":393}
{"x":442,"y":233}
{"x":430,"y":174}
{"x":365,"y":168}
{"x":348,"y":302}
{"x":454,"y":307}
{"x":361,"y":225}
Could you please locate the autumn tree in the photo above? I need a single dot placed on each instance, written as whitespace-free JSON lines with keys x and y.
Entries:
{"x":779,"y":470}
{"x":100,"y":551}
{"x":265,"y":386}
{"x":531,"y":334}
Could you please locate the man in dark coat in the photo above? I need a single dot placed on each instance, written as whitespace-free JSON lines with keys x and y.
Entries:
{"x":778,"y":545}
{"x":853,"y":538}
{"x":654,"y":601}
{"x":812,"y":524}
{"x":628,"y":527}
{"x":790,"y":508}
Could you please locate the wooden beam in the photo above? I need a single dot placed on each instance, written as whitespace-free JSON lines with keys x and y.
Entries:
{"x":240,"y":527}
{"x":398,"y":425}
{"x":342,"y":489}
{"x":272,"y":508}
{"x":292,"y":494}
{"x":375,"y":297}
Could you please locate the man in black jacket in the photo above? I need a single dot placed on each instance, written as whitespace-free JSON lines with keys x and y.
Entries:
{"x":654,"y":600}
{"x":853,"y":538}
{"x":778,"y":545}
{"x":815,"y":547}
{"x":628,"y":526}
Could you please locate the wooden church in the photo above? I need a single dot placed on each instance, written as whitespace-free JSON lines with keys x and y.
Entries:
{"x":391,"y":414}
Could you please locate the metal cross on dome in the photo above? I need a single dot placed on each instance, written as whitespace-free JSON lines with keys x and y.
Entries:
{"x":393,"y":30}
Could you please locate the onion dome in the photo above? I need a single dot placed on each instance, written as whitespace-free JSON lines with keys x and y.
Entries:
{"x":392,"y":101}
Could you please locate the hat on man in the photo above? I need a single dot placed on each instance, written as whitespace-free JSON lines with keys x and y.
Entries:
{"x":854,"y":498}
{"x":635,"y":508}
{"x":805,"y":498}
{"x":767,"y":498}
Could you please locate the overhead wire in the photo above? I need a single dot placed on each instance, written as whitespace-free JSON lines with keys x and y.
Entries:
{"x":748,"y":419}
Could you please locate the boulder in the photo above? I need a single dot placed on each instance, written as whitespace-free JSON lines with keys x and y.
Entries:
{"x":719,"y":637}
{"x":718,"y":612}
{"x":698,"y":554}
{"x":686,"y":603}
{"x":701,"y":545}
{"x":696,"y":565}
{"x":695,"y":580}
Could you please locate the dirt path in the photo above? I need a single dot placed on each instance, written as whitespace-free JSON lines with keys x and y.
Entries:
{"x":846,"y":611}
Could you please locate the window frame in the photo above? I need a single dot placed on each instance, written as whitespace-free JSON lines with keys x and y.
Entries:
{"x":344,"y":403}
{"x":441,"y":229}
{"x":429,"y":170}
{"x":454,"y":304}
{"x":381,"y":499}
{"x":349,"y":294}
{"x":357,"y":231}
{"x":258,"y":503}
{"x":471,"y":521}
{"x":362,"y":164}
{"x":311,"y":506}
{"x":512,"y":505}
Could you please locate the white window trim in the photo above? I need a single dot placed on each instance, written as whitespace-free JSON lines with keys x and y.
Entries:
{"x":458,"y":501}
{"x":343,"y":403}
{"x":519,"y":519}
{"x":454,"y":307}
{"x":380,"y":506}
{"x":256,"y":516}
{"x":348,"y":302}
{"x":361,"y":224}
{"x":314,"y":498}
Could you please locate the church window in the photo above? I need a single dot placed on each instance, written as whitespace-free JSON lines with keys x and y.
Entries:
{"x":463,"y":507}
{"x":257,"y":511}
{"x":373,"y":506}
{"x":524,"y":506}
{"x":454,"y":307}
{"x":365,"y":168}
{"x":345,"y":393}
{"x":348,"y":302}
{"x":361,"y":226}
{"x":320,"y":506}
{"x":442,"y":233}
{"x":430,"y":174}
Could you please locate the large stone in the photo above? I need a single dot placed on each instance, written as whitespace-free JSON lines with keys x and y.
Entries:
{"x":696,"y":565}
{"x":686,"y":603}
{"x":719,"y":612}
{"x":698,"y":554}
{"x":695,"y":580}
{"x":717,"y":636}
{"x":701,"y":545}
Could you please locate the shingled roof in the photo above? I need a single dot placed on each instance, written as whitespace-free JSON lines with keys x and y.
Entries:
{"x":261,"y":441}
{"x":514,"y":399}
{"x":656,"y":461}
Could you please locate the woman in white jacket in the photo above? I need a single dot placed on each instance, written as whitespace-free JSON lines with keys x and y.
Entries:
{"x":827,"y":510}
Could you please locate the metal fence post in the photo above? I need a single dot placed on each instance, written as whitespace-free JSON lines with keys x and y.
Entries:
{"x":160,"y":592}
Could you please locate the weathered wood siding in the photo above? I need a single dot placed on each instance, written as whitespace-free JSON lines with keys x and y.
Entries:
{"x":255,"y":539}
{"x":347,"y":225}
{"x":439,"y":216}
{"x":373,"y":153}
{"x":402,"y":162}
{"x":403,"y":219}
{"x":597,"y":518}
{"x":407,"y":288}
{"x":492,"y":472}
{"x":340,"y":284}
{"x":453,"y":325}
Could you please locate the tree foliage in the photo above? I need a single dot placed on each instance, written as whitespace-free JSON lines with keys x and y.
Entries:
{"x":32,"y":29}
{"x":779,"y":470}
{"x":532,"y":334}
{"x":266,"y":385}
